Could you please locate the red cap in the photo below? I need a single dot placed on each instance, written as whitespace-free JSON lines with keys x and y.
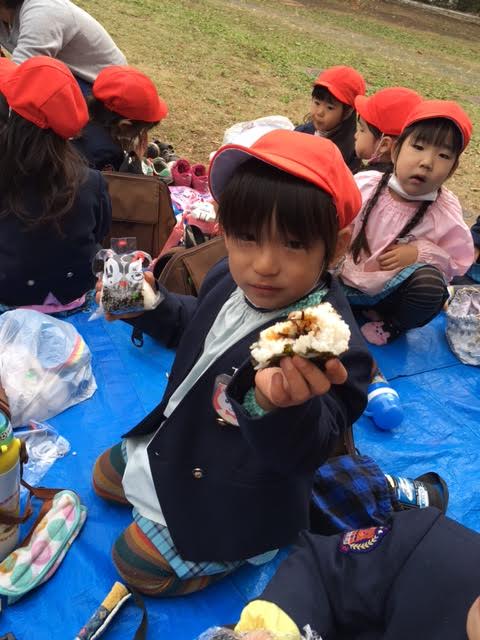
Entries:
{"x":388,"y":109}
{"x":344,"y":83}
{"x":447,"y":109}
{"x":310,"y":158}
{"x":130,"y":93}
{"x":43,"y":91}
{"x":6,"y":68}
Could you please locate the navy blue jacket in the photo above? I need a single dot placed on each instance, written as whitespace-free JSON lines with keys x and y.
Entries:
{"x":98,"y":148}
{"x":343,"y":137}
{"x":417,"y":582}
{"x":36,"y":261}
{"x":476,"y":232}
{"x":231,"y":492}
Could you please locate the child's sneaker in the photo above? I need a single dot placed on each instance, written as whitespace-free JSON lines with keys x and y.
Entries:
{"x":199,"y":178}
{"x":428,"y":490}
{"x":152,"y":150}
{"x":181,"y":173}
{"x":162,"y":170}
{"x":166,"y":151}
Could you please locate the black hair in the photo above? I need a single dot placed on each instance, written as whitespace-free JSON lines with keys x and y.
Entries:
{"x":375,"y":131}
{"x":258,"y":192}
{"x":38,"y":158}
{"x":11,"y":4}
{"x":109,"y":120}
{"x":322,"y":93}
{"x":438,"y":132}
{"x":4,"y":110}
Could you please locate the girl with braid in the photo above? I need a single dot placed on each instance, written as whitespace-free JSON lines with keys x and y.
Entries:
{"x":409,"y":239}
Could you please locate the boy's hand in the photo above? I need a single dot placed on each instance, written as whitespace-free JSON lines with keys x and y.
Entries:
{"x":295,"y":381}
{"x":110,"y":317}
{"x":398,"y":256}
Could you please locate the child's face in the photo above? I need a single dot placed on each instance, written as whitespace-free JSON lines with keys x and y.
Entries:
{"x":421,"y":167}
{"x":273,"y":272}
{"x":326,"y":114}
{"x":365,"y":142}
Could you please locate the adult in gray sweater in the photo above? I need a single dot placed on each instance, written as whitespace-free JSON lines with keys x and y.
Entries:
{"x":59,"y":29}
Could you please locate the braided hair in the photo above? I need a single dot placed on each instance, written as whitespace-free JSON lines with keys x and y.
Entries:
{"x":361,"y":242}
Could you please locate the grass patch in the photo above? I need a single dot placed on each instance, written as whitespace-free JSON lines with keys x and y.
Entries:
{"x":219,"y":62}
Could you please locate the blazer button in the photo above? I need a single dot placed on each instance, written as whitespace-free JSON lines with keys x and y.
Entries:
{"x":30,"y":283}
{"x":221,"y":422}
{"x":197,"y":473}
{"x":70,"y":274}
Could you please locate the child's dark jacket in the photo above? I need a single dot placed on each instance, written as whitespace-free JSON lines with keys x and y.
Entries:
{"x":98,"y":148}
{"x":231,"y":492}
{"x":37,"y":261}
{"x":343,"y":137}
{"x":476,"y":232}
{"x":417,"y":582}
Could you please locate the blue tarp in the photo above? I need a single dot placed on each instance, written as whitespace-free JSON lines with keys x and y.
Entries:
{"x":441,"y":432}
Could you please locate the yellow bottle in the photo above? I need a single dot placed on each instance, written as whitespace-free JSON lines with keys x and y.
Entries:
{"x":9,"y":485}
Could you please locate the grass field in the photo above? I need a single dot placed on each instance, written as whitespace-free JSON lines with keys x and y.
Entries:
{"x":217,"y":62}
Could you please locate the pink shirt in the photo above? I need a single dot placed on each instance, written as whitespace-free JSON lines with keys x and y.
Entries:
{"x":442,"y":237}
{"x":52,"y":305}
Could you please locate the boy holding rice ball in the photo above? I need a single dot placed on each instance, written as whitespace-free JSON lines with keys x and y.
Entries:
{"x":221,"y":471}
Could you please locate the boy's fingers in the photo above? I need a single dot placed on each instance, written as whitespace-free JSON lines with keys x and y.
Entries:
{"x":278,"y":394}
{"x":315,"y":378}
{"x":335,"y":371}
{"x":296,"y":374}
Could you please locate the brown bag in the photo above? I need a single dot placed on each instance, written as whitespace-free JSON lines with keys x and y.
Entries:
{"x":141,"y":208}
{"x":183,"y":270}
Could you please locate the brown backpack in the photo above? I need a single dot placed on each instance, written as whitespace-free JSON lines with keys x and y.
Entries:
{"x":141,"y":208}
{"x":183,"y":270}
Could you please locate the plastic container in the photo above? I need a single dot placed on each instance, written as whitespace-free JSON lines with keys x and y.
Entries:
{"x":9,"y":485}
{"x":384,"y":406}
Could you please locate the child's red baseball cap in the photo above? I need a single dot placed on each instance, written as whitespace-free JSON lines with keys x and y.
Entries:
{"x":43,"y":91}
{"x":429,"y":109}
{"x":130,"y":93}
{"x":310,"y":158}
{"x":344,"y":83}
{"x":388,"y":108}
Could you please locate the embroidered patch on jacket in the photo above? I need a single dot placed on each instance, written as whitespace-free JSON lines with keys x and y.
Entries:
{"x":362,"y":540}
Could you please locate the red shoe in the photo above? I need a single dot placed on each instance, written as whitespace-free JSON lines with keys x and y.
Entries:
{"x":199,"y":178}
{"x":182,"y":173}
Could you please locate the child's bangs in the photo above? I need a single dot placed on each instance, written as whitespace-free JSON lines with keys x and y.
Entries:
{"x":259,"y":197}
{"x":322,"y":93}
{"x":438,"y":132}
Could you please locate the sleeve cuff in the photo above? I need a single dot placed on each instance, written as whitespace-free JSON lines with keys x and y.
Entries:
{"x":251,"y":406}
{"x":267,"y":616}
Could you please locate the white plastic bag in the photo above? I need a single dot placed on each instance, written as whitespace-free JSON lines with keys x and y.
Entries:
{"x":246,"y":133}
{"x":44,"y":365}
{"x":463,"y":325}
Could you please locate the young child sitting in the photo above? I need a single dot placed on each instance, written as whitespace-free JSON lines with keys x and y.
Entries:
{"x":221,"y":470}
{"x":410,"y":238}
{"x":124,"y":106}
{"x":332,"y":112}
{"x":415,"y":579}
{"x":381,"y":118}
{"x":54,"y":212}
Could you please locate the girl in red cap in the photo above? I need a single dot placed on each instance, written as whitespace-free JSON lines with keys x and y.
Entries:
{"x":332,"y":112}
{"x":54,"y":212}
{"x":220,"y":472}
{"x":381,"y":118}
{"x":410,"y":239}
{"x":124,"y":106}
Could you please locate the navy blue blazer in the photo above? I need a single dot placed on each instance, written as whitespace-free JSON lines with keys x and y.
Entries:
{"x":415,"y":581}
{"x":231,"y":492}
{"x":39,"y":260}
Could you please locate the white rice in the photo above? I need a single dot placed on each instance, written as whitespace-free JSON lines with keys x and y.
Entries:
{"x":309,"y":333}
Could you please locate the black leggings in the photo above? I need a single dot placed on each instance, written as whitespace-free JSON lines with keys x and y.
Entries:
{"x":416,"y":301}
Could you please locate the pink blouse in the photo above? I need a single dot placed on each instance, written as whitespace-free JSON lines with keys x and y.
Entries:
{"x":442,"y":237}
